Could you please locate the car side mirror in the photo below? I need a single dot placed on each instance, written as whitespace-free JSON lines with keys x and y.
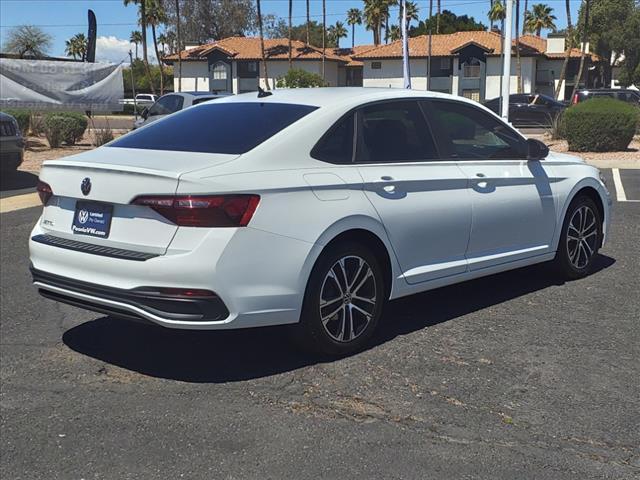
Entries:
{"x":145,"y":113}
{"x":536,"y":150}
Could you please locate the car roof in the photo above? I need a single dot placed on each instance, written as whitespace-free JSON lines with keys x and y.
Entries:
{"x":6,"y":116}
{"x":335,"y":96}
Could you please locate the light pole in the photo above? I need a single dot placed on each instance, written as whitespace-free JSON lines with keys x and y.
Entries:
{"x":506,"y":65}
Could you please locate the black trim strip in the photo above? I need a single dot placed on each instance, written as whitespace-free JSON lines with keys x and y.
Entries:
{"x":90,"y":248}
{"x":169,"y":307}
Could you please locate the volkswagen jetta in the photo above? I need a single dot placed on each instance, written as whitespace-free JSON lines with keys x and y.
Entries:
{"x":308,"y":207}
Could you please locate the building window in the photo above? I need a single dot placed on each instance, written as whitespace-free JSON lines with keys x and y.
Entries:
{"x":471,"y":68}
{"x":445,"y":63}
{"x":471,"y":94}
{"x":252,"y":67}
{"x":376,"y":65}
{"x":219,"y":71}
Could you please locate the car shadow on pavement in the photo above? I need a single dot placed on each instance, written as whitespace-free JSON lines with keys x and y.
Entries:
{"x":18,"y":180}
{"x":227,"y":356}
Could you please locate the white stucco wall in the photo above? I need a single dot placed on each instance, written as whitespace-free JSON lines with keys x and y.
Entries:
{"x":195,"y":76}
{"x":391,"y":76}
{"x":494,"y":74}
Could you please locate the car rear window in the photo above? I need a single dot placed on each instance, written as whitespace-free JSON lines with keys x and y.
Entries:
{"x":232,"y":128}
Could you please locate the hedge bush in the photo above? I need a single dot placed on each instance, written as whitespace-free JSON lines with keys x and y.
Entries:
{"x":298,"y":78}
{"x":600,"y":125}
{"x":23,"y":117}
{"x":67,"y":127}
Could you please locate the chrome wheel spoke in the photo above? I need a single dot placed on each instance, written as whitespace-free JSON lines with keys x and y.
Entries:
{"x":588,"y":247}
{"x":581,"y":230}
{"x":347,"y":298}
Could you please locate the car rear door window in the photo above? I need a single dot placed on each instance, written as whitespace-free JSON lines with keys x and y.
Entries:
{"x":230,"y":127}
{"x":394,"y":132}
{"x":468,"y":133}
{"x":336,"y":146}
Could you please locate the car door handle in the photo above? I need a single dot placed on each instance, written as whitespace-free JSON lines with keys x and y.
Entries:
{"x":480,"y":175}
{"x":386,"y":178}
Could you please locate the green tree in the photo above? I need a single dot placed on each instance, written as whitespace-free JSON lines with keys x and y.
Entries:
{"x":354,"y":17}
{"x":76,"y":46}
{"x":299,"y":78}
{"x":568,"y":46}
{"x":394,"y":33}
{"x":497,"y":13}
{"x":375,"y":14}
{"x":412,"y":12}
{"x":28,"y":40}
{"x":449,"y":23}
{"x":156,"y":16}
{"x":142,"y":20}
{"x":336,"y":32}
{"x":279,"y":29}
{"x":614,"y":33}
{"x":538,"y":18}
{"x":136,"y":39}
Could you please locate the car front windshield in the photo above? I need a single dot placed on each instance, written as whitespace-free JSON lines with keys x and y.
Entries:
{"x":232,"y":128}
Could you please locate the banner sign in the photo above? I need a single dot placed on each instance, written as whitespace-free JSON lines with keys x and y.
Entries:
{"x":59,"y":85}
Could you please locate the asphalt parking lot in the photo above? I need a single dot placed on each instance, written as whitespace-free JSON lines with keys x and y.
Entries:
{"x":514,"y":376}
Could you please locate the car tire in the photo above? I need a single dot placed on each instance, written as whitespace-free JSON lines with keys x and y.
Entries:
{"x":580,"y":239}
{"x":343,"y":301}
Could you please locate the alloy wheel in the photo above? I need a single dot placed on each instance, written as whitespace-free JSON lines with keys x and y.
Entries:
{"x":347,"y":298}
{"x":582,"y":237}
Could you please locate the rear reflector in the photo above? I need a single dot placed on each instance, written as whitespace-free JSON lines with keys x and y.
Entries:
{"x":44,"y":192}
{"x":203,"y":211}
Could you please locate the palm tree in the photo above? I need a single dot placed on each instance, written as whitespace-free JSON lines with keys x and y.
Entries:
{"x":508,"y":48}
{"x":28,"y":39}
{"x":568,"y":47}
{"x":163,"y":41}
{"x":412,"y":12}
{"x":497,"y":13}
{"x":489,"y":15}
{"x":524,"y":19}
{"x":438,"y":17}
{"x":264,"y":59}
{"x":136,"y":39}
{"x":338,"y":31}
{"x":156,"y":16}
{"x":374,"y":15}
{"x":178,"y":45}
{"x":142,"y":16}
{"x":324,"y":37}
{"x":389,"y":4}
{"x":583,"y":47}
{"x":170,"y":35}
{"x":395,"y":33}
{"x":290,"y":15}
{"x":308,"y":22}
{"x":76,"y":46}
{"x":354,"y":17}
{"x":538,"y":18}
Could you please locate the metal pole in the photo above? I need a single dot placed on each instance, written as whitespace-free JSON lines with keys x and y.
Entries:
{"x":133,"y":86}
{"x":506,"y":66}
{"x":429,"y":47}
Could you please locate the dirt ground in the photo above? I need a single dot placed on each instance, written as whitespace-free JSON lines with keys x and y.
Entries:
{"x":38,"y":151}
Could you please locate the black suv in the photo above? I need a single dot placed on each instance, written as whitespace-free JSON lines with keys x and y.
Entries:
{"x":630,"y":96}
{"x":529,"y":109}
{"x":11,"y":143}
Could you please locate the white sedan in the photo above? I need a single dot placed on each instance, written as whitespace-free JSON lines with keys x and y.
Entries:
{"x":308,"y":207}
{"x":172,"y":103}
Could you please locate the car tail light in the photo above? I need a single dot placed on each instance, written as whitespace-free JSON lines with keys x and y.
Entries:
{"x":44,"y":192}
{"x":203,"y":211}
{"x":574,"y":100}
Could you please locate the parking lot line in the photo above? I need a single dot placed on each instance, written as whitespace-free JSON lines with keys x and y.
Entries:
{"x":19,"y":202}
{"x":621,"y":195}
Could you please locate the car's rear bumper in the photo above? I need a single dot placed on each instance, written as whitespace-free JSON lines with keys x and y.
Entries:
{"x":10,"y":157}
{"x":137,"y":304}
{"x":258,"y":277}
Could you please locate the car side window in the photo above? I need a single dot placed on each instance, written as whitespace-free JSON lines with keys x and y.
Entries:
{"x":394,"y":132}
{"x":468,"y":133}
{"x":166,"y":105}
{"x":336,"y":146}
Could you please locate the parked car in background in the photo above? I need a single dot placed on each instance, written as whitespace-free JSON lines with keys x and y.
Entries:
{"x":141,"y":100}
{"x":310,"y":207}
{"x":171,"y":103}
{"x":11,"y":144}
{"x":529,"y":109}
{"x":626,"y":95}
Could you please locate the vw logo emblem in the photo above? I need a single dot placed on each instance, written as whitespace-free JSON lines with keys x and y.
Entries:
{"x":83,"y":216}
{"x":85,"y":186}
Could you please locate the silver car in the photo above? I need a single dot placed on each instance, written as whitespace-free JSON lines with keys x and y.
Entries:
{"x":171,"y":103}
